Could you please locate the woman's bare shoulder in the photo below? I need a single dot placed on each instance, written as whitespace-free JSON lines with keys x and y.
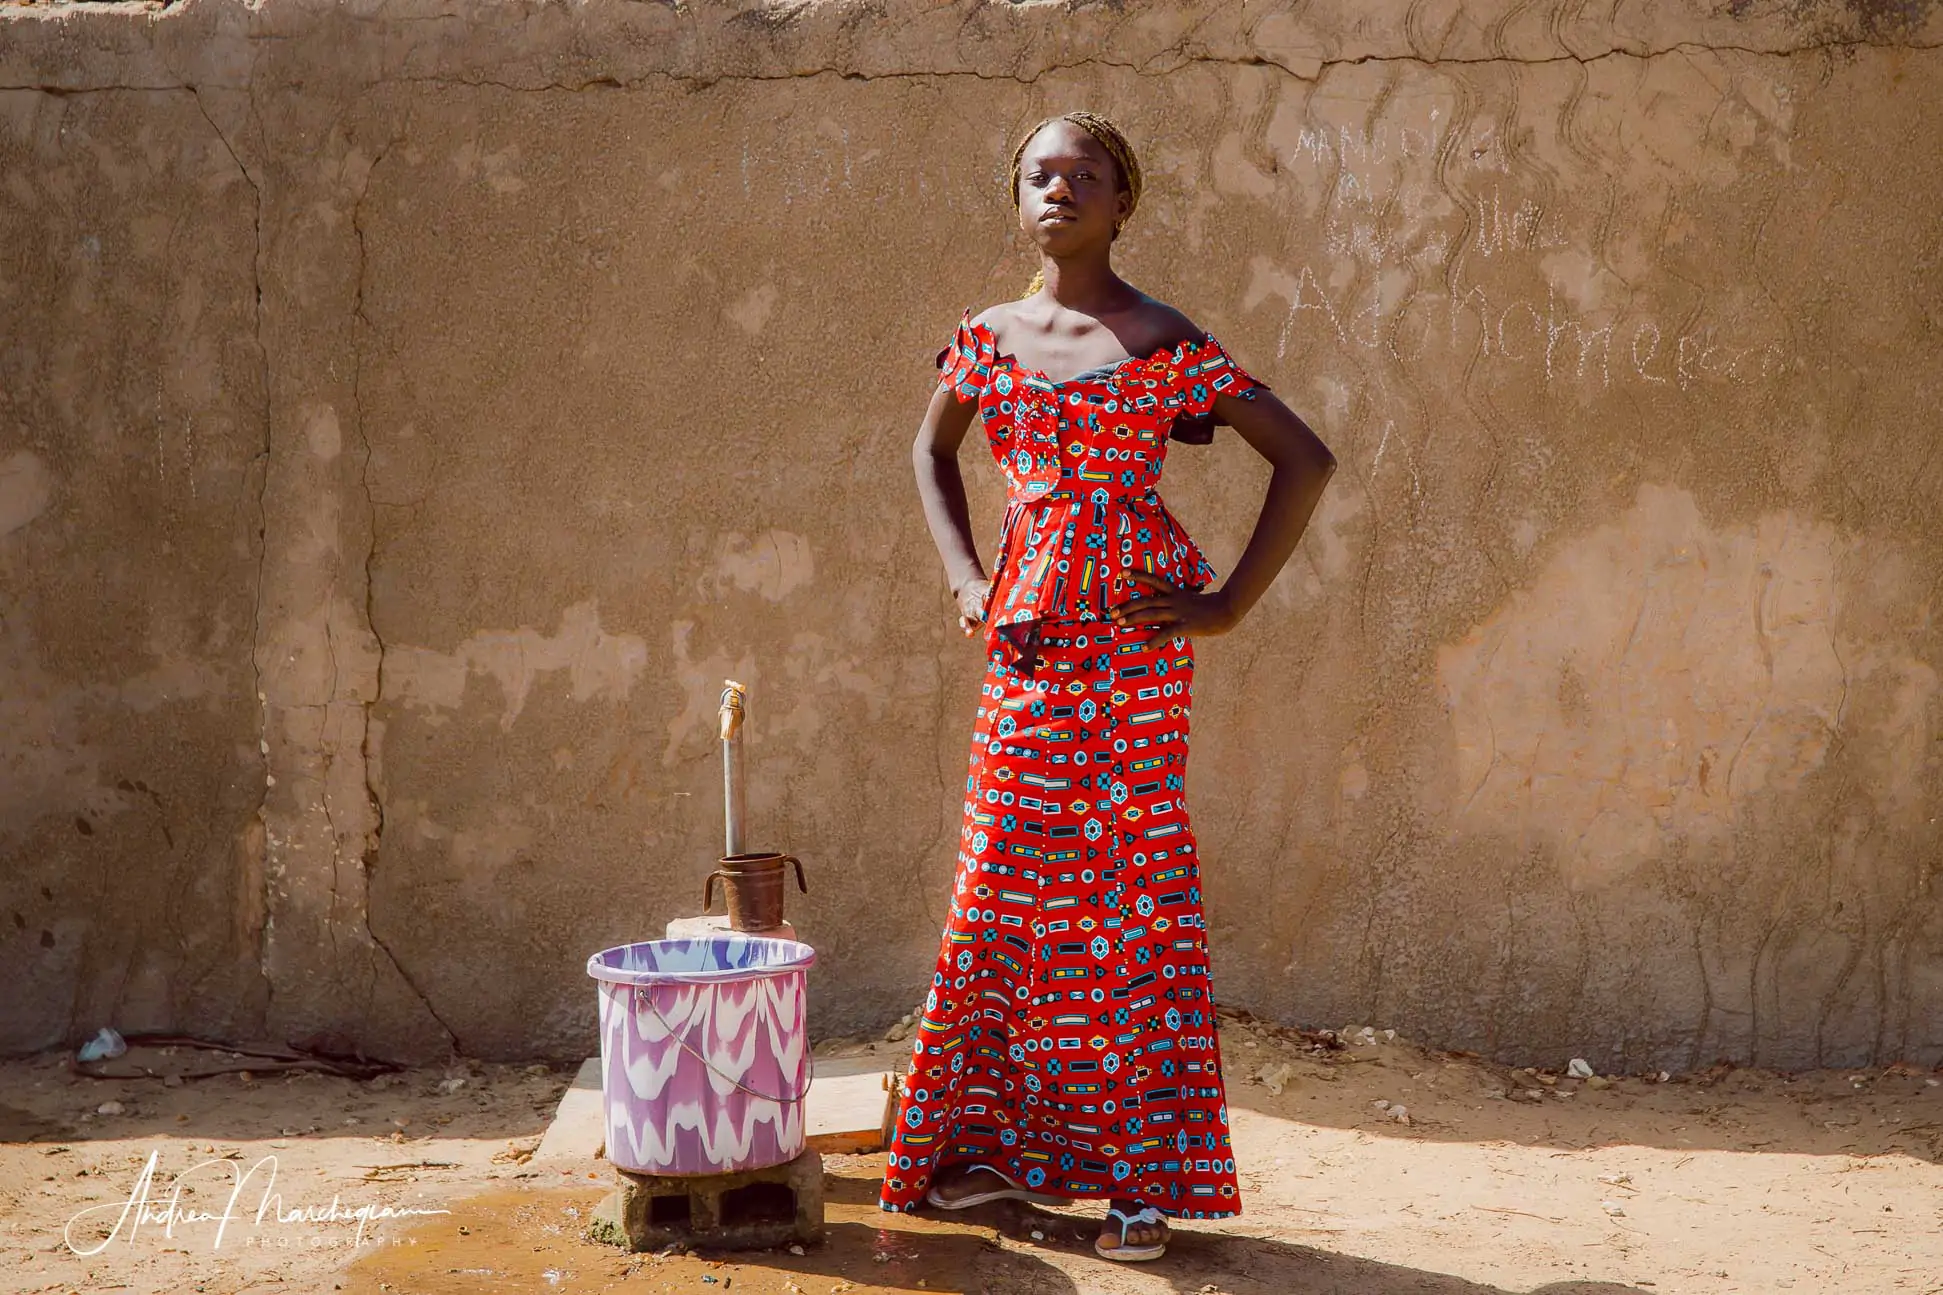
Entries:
{"x":1162,"y":325}
{"x":996,"y":317}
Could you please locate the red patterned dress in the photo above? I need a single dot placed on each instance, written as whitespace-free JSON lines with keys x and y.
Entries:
{"x":1069,"y":1036}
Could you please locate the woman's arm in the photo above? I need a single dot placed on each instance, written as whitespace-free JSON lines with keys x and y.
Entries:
{"x":1302,"y":466}
{"x":941,"y":487}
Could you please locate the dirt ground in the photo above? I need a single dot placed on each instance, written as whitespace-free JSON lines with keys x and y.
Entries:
{"x":1500,"y":1181}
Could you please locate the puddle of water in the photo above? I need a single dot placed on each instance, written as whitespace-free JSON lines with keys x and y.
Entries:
{"x":518,"y":1241}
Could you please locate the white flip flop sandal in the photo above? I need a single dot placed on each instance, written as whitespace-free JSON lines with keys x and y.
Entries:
{"x":1124,"y":1253}
{"x":1010,"y":1192}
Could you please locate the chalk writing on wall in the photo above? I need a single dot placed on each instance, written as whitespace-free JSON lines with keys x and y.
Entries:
{"x":1550,"y":336}
{"x":1429,"y":248}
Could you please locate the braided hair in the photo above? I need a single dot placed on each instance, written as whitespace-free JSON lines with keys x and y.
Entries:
{"x":1116,"y":147}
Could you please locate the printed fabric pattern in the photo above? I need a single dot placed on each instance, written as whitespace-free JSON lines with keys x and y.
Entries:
{"x":1082,"y":461}
{"x":1068,"y":1039}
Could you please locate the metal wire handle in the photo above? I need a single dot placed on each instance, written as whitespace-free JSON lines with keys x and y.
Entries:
{"x":691,"y":1051}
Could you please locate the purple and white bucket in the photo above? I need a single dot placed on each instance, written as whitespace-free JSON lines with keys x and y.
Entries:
{"x":704,"y":1058}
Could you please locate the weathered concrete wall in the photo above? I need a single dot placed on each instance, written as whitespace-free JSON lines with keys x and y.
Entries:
{"x":409,"y":413}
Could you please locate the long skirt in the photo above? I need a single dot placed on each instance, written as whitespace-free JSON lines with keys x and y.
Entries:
{"x":1069,"y":1036}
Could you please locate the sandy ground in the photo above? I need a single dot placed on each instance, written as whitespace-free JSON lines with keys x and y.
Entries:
{"x":1724,"y":1181}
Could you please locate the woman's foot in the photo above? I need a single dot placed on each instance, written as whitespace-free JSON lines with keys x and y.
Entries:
{"x":1132,"y":1232}
{"x":963,"y":1186}
{"x":953,"y":1187}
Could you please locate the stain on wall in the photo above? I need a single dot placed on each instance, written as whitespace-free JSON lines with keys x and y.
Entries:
{"x":1659,"y":676}
{"x":25,"y":490}
{"x":598,"y":665}
{"x":403,"y":433}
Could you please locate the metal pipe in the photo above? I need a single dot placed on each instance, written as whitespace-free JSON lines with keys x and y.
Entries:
{"x":732,"y":715}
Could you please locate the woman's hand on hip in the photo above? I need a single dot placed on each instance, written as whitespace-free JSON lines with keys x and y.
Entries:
{"x":972,"y":597}
{"x":1169,"y":610}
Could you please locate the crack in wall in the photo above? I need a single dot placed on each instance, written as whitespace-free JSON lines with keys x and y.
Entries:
{"x":1307,"y":71}
{"x":262,"y":513}
{"x":265,"y":459}
{"x":1159,"y":65}
{"x":451,"y":1035}
{"x":373,"y":792}
{"x":361,"y":322}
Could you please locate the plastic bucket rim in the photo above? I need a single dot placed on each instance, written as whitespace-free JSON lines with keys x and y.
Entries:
{"x":799,"y":958}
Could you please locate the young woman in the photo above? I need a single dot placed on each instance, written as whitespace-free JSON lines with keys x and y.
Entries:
{"x":1067,"y":1047}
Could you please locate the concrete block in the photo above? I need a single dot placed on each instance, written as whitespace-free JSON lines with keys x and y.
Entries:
{"x":700,"y":928}
{"x":751,"y":1210}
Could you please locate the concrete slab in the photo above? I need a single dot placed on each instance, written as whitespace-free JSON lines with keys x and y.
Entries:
{"x":849,"y":1114}
{"x":579,"y":1127}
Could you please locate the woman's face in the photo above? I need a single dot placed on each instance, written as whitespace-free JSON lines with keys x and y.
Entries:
{"x":1070,"y":197}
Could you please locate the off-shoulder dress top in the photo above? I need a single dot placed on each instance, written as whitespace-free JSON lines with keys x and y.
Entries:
{"x":1082,"y":461}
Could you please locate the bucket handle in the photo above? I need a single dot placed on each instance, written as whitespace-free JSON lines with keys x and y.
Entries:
{"x":708,"y":882}
{"x":691,"y":1051}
